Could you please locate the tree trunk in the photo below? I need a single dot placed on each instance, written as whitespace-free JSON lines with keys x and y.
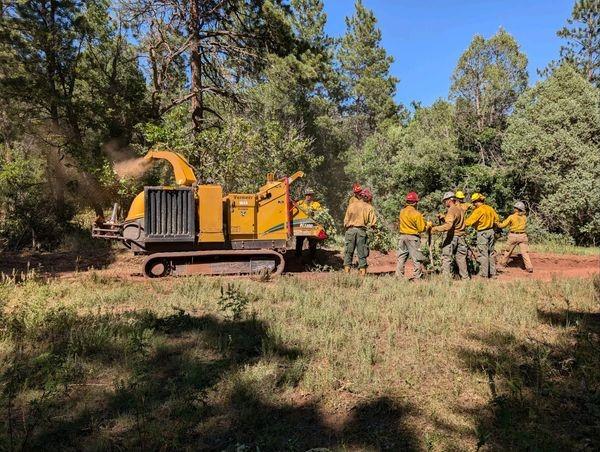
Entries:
{"x":196,"y":67}
{"x":54,"y":164}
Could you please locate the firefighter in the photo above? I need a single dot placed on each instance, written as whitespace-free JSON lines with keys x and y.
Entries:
{"x":411,"y":223}
{"x":517,"y":236}
{"x":483,"y":219}
{"x":460,"y":196}
{"x":454,"y":246}
{"x":309,"y":206}
{"x":360,"y":215}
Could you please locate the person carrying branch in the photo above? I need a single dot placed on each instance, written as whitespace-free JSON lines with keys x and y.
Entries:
{"x":483,"y":219}
{"x":454,"y":246}
{"x":411,"y":224}
{"x":360,"y":215}
{"x":309,"y":206}
{"x":517,"y":222}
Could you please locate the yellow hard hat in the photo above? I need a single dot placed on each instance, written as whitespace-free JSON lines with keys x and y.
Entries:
{"x":459,"y":194}
{"x":477,"y":197}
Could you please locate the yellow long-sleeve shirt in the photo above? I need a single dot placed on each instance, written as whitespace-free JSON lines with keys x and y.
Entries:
{"x":313,"y":205}
{"x":482,"y":218}
{"x":353,"y":198}
{"x":517,"y":222}
{"x":411,"y":221}
{"x":465,"y":206}
{"x":454,"y":220}
{"x":359,"y":214}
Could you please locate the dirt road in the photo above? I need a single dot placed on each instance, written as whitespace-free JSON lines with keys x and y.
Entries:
{"x":123,"y":265}
{"x":546,"y":266}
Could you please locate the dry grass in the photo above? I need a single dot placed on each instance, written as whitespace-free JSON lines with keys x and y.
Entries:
{"x":336,"y":361}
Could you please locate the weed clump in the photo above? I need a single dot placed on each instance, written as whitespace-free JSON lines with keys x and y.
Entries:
{"x":232,"y":302}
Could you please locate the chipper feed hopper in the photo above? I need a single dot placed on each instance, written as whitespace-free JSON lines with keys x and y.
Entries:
{"x":192,"y":228}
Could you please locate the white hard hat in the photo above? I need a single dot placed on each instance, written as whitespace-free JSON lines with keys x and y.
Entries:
{"x":448,"y":195}
{"x":519,"y":205}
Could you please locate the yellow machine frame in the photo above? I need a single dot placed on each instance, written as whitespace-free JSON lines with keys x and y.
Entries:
{"x":259,"y":216}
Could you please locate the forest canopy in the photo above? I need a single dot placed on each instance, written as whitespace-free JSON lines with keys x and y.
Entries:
{"x":247,"y":87}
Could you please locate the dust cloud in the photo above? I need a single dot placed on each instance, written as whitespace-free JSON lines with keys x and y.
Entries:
{"x":125,"y":162}
{"x":134,"y":168}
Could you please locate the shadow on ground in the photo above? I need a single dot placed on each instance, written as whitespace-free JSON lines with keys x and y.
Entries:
{"x":322,"y":261}
{"x":542,"y":396}
{"x":179,"y":382}
{"x":516,"y":261}
{"x":55,"y":263}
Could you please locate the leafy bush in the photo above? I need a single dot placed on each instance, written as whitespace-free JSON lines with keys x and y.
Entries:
{"x":29,"y":214}
{"x":420,"y":157}
{"x":538,"y":232}
{"x":239,"y":154}
{"x":382,"y":239}
{"x":324,"y":218}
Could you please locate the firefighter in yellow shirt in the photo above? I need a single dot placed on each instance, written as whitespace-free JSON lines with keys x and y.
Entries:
{"x":517,"y":222}
{"x":356,"y":193}
{"x":483,"y":219}
{"x":460,"y":196}
{"x":309,"y":206}
{"x":454,"y":246}
{"x":360,"y":215}
{"x":411,"y":224}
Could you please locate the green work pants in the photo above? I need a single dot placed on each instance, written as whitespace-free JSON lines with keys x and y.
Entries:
{"x":487,"y":256}
{"x":356,"y":239}
{"x":409,"y":246}
{"x":454,"y":248}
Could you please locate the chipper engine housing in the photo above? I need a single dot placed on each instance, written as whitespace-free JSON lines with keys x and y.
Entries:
{"x":192,"y":228}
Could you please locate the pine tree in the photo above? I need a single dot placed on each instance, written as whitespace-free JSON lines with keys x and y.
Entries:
{"x":73,"y":79}
{"x":487,"y":81}
{"x":217,"y":43}
{"x":582,"y":34}
{"x":365,"y":68}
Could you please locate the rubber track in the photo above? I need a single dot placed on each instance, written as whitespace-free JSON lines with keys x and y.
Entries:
{"x":183,"y":254}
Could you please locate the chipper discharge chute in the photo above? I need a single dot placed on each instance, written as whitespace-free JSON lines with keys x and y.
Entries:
{"x":191,"y":228}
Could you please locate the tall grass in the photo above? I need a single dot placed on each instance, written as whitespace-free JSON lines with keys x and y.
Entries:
{"x":336,"y":361}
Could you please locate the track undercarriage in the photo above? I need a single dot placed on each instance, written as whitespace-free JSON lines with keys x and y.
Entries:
{"x":213,"y":263}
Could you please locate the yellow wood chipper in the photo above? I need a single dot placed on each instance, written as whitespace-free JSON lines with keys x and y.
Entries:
{"x":191,"y":228}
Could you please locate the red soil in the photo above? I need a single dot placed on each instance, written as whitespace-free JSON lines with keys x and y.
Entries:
{"x":121,"y":264}
{"x":546,"y":266}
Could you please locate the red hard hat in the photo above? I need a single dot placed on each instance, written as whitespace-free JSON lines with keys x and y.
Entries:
{"x":366,"y":193}
{"x":412,"y":197}
{"x":356,"y":188}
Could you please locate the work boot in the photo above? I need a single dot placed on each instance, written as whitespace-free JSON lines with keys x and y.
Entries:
{"x":346,"y":269}
{"x":362,"y":271}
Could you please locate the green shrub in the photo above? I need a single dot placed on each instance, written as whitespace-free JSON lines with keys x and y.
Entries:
{"x":30,"y":216}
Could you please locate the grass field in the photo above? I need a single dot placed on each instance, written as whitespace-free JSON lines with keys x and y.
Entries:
{"x":565,"y":249}
{"x":335,"y":362}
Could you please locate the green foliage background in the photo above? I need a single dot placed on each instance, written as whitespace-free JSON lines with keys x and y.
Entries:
{"x":87,"y":85}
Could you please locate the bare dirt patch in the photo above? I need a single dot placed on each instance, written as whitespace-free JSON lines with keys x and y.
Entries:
{"x":546,"y":266}
{"x":122,"y":264}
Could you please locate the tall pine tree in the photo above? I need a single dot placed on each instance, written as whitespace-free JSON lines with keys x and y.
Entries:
{"x":365,"y":67}
{"x":487,"y":81}
{"x":220,"y":42}
{"x":582,"y":34}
